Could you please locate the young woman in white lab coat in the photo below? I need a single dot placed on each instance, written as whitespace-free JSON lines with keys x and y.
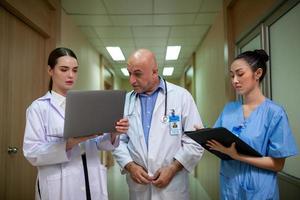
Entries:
{"x":67,"y":169}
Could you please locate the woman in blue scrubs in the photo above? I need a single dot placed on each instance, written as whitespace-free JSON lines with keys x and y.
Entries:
{"x":259,"y":122}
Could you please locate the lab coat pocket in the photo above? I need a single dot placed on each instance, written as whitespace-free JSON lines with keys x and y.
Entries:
{"x":66,"y":185}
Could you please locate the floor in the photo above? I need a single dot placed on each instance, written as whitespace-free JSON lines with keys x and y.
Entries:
{"x":117,"y":187}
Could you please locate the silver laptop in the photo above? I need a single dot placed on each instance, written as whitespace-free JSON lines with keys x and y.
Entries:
{"x":92,"y":112}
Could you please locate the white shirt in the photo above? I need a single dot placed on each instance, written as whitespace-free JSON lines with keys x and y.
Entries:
{"x":60,"y":99}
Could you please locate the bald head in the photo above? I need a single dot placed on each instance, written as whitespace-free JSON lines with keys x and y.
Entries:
{"x":143,"y":57}
{"x":143,"y":70}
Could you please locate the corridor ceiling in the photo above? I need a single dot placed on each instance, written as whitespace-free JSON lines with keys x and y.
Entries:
{"x":152,"y":24}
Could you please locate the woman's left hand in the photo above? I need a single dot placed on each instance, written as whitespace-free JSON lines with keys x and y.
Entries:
{"x":231,"y":151}
{"x":122,"y":126}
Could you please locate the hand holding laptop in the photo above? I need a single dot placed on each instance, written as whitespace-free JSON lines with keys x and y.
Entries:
{"x":121,"y":128}
{"x":71,"y":142}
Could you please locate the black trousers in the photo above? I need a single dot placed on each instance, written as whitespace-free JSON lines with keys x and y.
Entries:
{"x":86,"y":177}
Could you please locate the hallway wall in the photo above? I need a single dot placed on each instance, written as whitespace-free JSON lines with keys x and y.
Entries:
{"x":210,"y":97}
{"x":245,"y":14}
{"x":89,"y":77}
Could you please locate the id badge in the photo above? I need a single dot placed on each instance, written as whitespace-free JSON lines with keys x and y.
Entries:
{"x":175,"y":125}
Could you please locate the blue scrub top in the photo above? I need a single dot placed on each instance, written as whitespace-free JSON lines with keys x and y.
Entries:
{"x":267,"y":130}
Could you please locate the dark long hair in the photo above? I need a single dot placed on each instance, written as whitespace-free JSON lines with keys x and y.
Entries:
{"x":256,"y":59}
{"x":54,"y":55}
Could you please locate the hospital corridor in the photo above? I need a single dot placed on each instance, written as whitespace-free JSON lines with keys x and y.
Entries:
{"x":206,"y":106}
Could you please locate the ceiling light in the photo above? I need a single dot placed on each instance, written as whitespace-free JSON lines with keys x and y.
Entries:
{"x":168,"y":71}
{"x":125,"y":71}
{"x":115,"y":53}
{"x":173,"y":52}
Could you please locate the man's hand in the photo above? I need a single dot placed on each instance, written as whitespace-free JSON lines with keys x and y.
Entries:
{"x":138,"y":173}
{"x":164,"y":175}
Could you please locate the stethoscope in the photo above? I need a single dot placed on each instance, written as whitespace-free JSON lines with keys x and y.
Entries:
{"x":164,"y":118}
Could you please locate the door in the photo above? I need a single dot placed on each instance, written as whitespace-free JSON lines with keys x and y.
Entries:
{"x":3,"y":100}
{"x":23,"y":75}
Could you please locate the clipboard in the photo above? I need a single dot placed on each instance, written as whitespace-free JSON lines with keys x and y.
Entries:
{"x":225,"y":137}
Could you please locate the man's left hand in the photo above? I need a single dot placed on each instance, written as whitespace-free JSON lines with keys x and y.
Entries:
{"x":164,"y":175}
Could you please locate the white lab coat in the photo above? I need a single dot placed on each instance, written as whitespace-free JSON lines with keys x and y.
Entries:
{"x":60,"y":173}
{"x":162,"y":147}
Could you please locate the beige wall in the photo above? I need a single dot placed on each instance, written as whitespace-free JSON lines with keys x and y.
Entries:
{"x":89,"y":77}
{"x":210,"y":73}
{"x":210,"y":96}
{"x":245,"y":14}
{"x":117,"y":82}
{"x":240,"y":17}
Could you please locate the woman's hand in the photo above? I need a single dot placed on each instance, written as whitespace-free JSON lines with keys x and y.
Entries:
{"x":231,"y":151}
{"x":121,"y":127}
{"x":71,"y":142}
{"x":265,"y":162}
{"x":197,"y":127}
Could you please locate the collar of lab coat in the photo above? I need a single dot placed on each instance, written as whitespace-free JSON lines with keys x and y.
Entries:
{"x":48,"y":96}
